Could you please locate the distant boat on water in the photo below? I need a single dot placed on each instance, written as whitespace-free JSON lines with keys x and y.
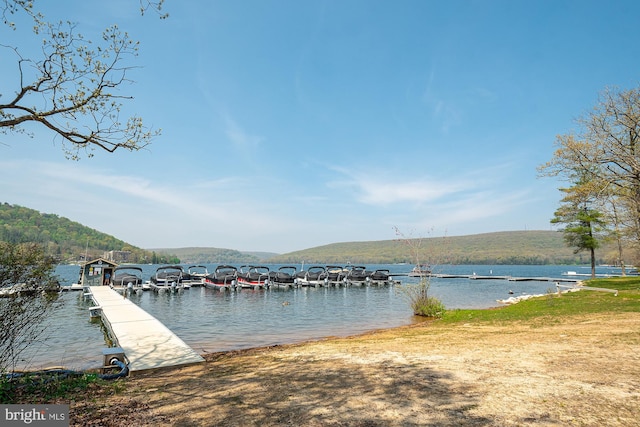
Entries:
{"x":420,"y":270}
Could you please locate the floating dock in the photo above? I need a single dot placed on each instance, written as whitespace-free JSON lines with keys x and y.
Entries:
{"x":509,"y":278}
{"x":146,"y":342}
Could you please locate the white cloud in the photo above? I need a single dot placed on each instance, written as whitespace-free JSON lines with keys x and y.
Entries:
{"x":487,"y":210}
{"x":143,"y":212}
{"x":384,"y":189}
{"x":476,"y":200}
{"x":251,"y":214}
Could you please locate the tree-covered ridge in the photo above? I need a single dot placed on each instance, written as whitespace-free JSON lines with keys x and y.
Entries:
{"x":214,"y":255}
{"x":63,"y":239}
{"x":67,"y":241}
{"x":509,"y":247}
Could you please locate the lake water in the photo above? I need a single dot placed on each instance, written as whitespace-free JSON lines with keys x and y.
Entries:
{"x":211,"y":321}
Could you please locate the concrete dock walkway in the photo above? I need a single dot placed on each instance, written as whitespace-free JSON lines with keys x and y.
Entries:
{"x":147,"y":343}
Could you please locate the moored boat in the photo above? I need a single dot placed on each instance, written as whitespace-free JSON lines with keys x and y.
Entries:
{"x":356,"y":276}
{"x":223,"y":278}
{"x":253,"y":276}
{"x":380,"y":277}
{"x":195,"y":275}
{"x":168,"y":277}
{"x":30,"y":289}
{"x":335,"y":275}
{"x":283,"y":278}
{"x":312,"y":276}
{"x":127,"y":277}
{"x":420,"y":270}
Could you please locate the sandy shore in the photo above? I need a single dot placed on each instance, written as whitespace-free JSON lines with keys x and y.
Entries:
{"x":582,"y":370}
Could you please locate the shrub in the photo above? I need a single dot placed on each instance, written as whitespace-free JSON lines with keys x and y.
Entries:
{"x":418,"y":294}
{"x":421,"y":302}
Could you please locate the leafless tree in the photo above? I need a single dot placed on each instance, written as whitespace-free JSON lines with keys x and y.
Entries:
{"x":424,"y":257}
{"x":606,"y":150}
{"x":26,"y":270}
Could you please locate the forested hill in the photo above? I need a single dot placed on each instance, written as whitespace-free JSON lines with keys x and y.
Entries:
{"x":215,"y":255}
{"x":509,"y":247}
{"x":66,"y":240}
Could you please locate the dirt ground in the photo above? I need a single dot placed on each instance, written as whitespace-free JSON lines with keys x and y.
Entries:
{"x":582,"y":371}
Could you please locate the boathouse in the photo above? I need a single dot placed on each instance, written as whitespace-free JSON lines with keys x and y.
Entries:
{"x":96,"y":272}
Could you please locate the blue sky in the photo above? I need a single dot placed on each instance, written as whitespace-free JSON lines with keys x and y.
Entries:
{"x":293,"y":124}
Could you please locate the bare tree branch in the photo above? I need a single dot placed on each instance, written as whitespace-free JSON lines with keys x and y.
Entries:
{"x":73,"y":89}
{"x":606,"y":153}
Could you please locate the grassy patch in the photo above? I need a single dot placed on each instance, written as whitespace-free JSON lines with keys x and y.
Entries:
{"x":43,"y":387}
{"x":619,"y":283}
{"x":553,"y":306}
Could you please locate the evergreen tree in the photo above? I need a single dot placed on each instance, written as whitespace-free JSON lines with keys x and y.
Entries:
{"x":583,"y":224}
